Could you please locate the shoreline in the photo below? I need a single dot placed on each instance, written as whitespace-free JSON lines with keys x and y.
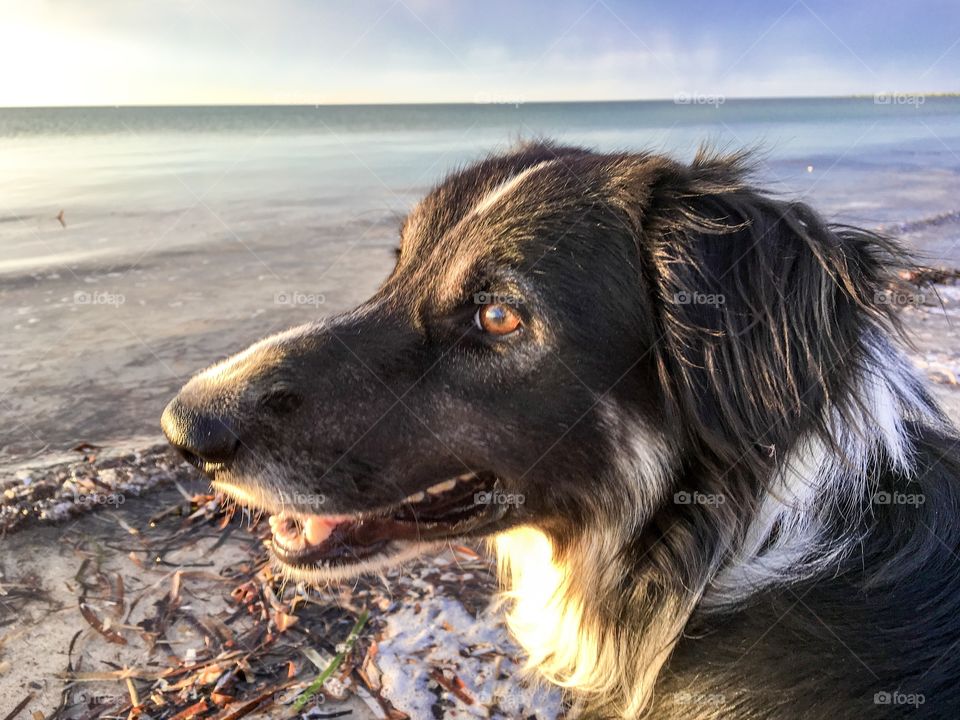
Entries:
{"x":54,"y":488}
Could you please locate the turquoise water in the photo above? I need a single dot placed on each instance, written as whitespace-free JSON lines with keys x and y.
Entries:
{"x":199,"y":218}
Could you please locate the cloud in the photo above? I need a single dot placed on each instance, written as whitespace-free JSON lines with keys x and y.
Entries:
{"x":292,"y":51}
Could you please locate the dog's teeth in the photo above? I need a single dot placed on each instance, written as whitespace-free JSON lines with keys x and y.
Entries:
{"x":417,"y":498}
{"x":443,"y":487}
{"x":467,"y":476}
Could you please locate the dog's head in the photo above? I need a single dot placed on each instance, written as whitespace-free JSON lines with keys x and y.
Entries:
{"x":562,"y":333}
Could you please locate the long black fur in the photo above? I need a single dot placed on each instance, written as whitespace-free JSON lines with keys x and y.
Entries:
{"x":621,"y":393}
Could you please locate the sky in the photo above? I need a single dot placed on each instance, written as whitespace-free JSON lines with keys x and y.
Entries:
{"x":160,"y":52}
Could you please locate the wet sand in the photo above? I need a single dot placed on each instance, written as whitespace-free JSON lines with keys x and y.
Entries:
{"x":95,"y":352}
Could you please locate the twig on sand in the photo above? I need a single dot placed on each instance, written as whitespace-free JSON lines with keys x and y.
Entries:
{"x":20,"y":706}
{"x":314,"y":687}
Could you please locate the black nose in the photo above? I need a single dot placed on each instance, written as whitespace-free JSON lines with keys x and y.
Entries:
{"x":200,"y":437}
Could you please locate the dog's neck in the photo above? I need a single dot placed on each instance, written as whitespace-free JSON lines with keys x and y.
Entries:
{"x":589,"y":611}
{"x":792,"y":534}
{"x":585,"y":625}
{"x":602,"y":615}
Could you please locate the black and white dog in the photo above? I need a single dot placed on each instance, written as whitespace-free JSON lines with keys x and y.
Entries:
{"x":714,"y":484}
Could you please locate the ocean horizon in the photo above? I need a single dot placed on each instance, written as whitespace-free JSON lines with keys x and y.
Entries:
{"x":481,"y":101}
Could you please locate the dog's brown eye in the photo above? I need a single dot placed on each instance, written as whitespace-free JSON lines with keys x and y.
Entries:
{"x":498,"y":319}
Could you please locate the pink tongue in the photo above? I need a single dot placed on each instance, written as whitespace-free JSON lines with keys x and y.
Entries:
{"x":317,"y":529}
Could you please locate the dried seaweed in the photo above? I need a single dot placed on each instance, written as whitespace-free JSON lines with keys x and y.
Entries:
{"x":64,"y":488}
{"x":250,"y":631}
{"x":249,"y":660}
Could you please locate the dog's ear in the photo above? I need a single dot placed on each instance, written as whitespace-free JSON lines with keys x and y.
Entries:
{"x":763,"y":310}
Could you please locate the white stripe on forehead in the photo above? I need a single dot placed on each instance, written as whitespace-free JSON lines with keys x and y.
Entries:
{"x":504,"y":188}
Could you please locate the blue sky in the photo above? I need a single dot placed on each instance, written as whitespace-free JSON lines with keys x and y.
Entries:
{"x":104,"y":52}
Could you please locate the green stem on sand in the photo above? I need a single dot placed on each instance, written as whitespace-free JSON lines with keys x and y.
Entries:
{"x":315,"y":687}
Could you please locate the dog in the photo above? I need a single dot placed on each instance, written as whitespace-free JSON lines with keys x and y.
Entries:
{"x":676,"y":406}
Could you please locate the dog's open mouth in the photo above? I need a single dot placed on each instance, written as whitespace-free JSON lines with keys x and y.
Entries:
{"x":336,"y":545}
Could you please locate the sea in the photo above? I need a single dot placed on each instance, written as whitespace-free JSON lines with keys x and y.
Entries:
{"x":140,"y":244}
